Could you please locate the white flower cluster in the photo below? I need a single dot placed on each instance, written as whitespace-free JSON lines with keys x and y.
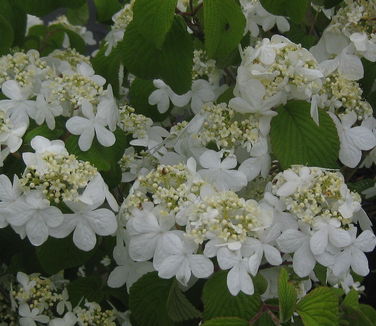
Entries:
{"x":271,"y":73}
{"x":39,"y":300}
{"x":326,"y":213}
{"x":43,"y":89}
{"x":256,"y":16}
{"x":51,"y":177}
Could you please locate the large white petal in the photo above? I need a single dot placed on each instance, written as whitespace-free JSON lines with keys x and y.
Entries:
{"x":366,"y":241}
{"x":362,"y":138}
{"x":118,"y":277}
{"x":272,"y":255}
{"x":84,"y":237}
{"x":86,"y":138}
{"x":291,"y":240}
{"x":201,"y":266}
{"x":359,"y":262}
{"x":342,"y":263}
{"x":210,"y":159}
{"x":319,"y":241}
{"x":303,"y":261}
{"x":37,"y":231}
{"x":351,"y":67}
{"x":171,"y":265}
{"x":52,"y":216}
{"x":339,"y":238}
{"x":142,"y":247}
{"x":104,"y":136}
{"x":103,"y":221}
{"x":77,"y":125}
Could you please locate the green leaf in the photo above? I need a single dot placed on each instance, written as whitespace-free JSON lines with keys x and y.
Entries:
{"x":148,"y":300}
{"x":103,"y":158}
{"x":153,"y":19}
{"x":287,"y":296}
{"x":331,"y":3}
{"x":296,"y":139}
{"x":369,"y":311}
{"x":16,"y":17}
{"x":43,"y":7}
{"x":108,"y":67}
{"x":218,"y":301}
{"x":224,"y":25}
{"x":361,"y":185}
{"x":78,"y":16}
{"x":106,"y":9}
{"x":226,"y":322}
{"x":58,"y":254}
{"x":178,"y":306}
{"x":44,"y":131}
{"x":295,"y":9}
{"x":369,"y":77}
{"x":144,"y":60}
{"x":357,"y":318}
{"x":85,"y":288}
{"x":351,"y":299}
{"x":319,"y":308}
{"x":260,"y":284}
{"x":7,"y":35}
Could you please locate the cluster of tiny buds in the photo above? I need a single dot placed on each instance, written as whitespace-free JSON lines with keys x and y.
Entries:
{"x":345,"y":96}
{"x":169,"y":186}
{"x":22,"y":67}
{"x":124,"y":16}
{"x":135,"y":124}
{"x":356,"y":17}
{"x":93,"y":315}
{"x":73,"y":88}
{"x":320,"y":196}
{"x":71,"y":56}
{"x":202,"y":65}
{"x":285,"y":74}
{"x":222,"y":127}
{"x":63,"y":177}
{"x":5,"y":123}
{"x":225,"y":215}
{"x":43,"y":295}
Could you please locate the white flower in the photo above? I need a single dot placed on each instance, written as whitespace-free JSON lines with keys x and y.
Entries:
{"x":86,"y":221}
{"x":238,"y":278}
{"x":297,"y":242}
{"x":86,"y":70}
{"x":347,"y":64}
{"x":328,"y":231}
{"x":258,"y":249}
{"x":88,"y":126}
{"x":24,"y":280}
{"x":294,"y":181}
{"x":202,"y":92}
{"x":153,"y":140}
{"x":12,"y":129}
{"x":353,"y":139}
{"x":181,"y":261}
{"x":128,"y":271}
{"x":259,"y":163}
{"x":18,"y":105}
{"x":107,"y":108}
{"x":251,"y":100}
{"x":43,"y":111}
{"x":163,"y":94}
{"x":220,"y":173}
{"x":353,"y":255}
{"x":8,"y":195}
{"x":69,"y":319}
{"x":30,"y":317}
{"x":34,"y":212}
{"x":97,"y":192}
{"x":147,"y":230}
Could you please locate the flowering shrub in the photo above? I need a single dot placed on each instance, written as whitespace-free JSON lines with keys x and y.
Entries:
{"x":211,"y":162}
